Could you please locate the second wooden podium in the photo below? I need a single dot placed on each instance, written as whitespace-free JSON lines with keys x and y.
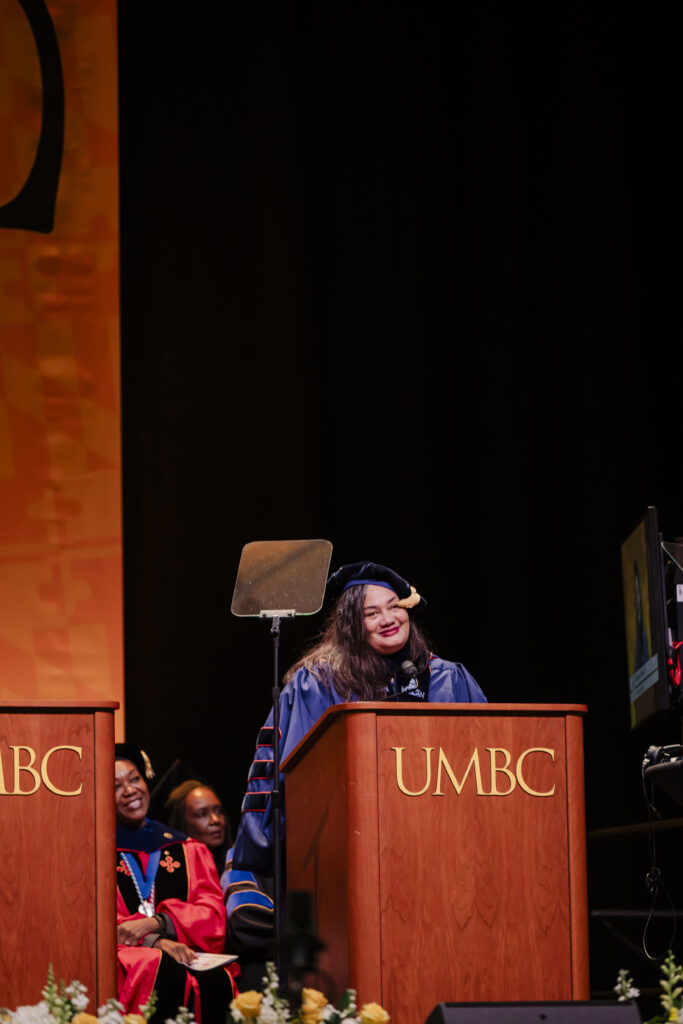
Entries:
{"x":445,"y":849}
{"x":57,"y":848}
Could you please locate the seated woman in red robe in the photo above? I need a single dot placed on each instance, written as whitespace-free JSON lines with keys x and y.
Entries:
{"x":169,"y":908}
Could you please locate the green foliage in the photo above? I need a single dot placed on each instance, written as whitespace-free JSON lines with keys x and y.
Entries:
{"x":51,"y":993}
{"x":277,"y":1010}
{"x":147,"y":1009}
{"x":624,"y":987}
{"x":671,"y":984}
{"x":65,"y":1002}
{"x":671,"y":998}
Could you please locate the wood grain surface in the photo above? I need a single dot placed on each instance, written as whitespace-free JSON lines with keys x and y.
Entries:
{"x":578,"y":875}
{"x":51,"y":882}
{"x":477,"y":895}
{"x":317,"y":850}
{"x":105,"y":856}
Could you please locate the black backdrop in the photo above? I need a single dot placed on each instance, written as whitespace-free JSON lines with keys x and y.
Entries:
{"x":402,"y":278}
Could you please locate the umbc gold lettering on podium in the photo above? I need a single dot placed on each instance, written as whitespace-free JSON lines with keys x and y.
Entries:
{"x":457,"y":786}
{"x":399,"y":771}
{"x":503,"y":779}
{"x":502,"y":769}
{"x":518,"y":771}
{"x":36,"y":777}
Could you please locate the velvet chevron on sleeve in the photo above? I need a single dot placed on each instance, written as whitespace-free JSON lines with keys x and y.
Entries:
{"x":249,"y":906}
{"x":302,"y":701}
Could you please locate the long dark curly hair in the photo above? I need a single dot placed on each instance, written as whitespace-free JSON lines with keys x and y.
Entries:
{"x":343,"y":656}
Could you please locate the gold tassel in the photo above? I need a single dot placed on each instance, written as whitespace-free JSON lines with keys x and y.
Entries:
{"x":149,"y":771}
{"x":410,"y":601}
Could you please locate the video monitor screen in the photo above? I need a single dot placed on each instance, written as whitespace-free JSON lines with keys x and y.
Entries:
{"x":645,"y":619}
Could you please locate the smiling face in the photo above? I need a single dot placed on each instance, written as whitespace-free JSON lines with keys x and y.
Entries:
{"x":131,"y":795}
{"x":204,"y":816}
{"x":387,"y":627}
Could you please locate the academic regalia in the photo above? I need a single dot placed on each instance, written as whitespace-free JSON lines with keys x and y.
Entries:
{"x":302,"y":701}
{"x":250,"y":923}
{"x":187,"y":892}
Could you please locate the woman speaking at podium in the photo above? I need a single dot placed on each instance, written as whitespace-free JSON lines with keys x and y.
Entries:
{"x":370,"y":649}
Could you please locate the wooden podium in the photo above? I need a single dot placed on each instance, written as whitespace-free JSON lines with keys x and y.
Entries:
{"x":57,"y":848}
{"x":445,"y":849}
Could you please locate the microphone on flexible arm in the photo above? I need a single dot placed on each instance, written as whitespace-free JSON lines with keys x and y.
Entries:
{"x":409,"y":669}
{"x":411,"y":688}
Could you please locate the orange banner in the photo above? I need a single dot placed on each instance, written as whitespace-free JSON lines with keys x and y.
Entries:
{"x":61,"y":624}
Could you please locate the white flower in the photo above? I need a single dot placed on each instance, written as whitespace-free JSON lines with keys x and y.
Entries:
{"x":111,"y":1004}
{"x":624,"y":988}
{"x":183,"y":1016}
{"x":271,"y":1015}
{"x":111,"y":1013}
{"x":39,"y":1014}
{"x":76,"y":992}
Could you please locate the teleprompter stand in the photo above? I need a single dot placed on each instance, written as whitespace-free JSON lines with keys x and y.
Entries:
{"x":277,"y":580}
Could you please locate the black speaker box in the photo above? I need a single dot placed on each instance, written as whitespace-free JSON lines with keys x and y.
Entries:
{"x":605,"y":1011}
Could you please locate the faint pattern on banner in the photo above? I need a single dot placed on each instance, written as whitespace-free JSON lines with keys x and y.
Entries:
{"x":61,"y":624}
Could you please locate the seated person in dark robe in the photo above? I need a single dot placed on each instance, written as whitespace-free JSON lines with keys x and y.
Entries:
{"x":371,"y":649}
{"x":169,"y":907}
{"x":196,"y":809}
{"x":250,"y":924}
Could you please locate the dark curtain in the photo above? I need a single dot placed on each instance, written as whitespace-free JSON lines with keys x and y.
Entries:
{"x":400,"y":276}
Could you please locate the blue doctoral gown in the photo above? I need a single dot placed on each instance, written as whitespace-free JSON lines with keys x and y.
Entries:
{"x":302,"y":701}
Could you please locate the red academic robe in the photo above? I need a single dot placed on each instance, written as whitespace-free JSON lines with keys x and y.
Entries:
{"x":187,"y":891}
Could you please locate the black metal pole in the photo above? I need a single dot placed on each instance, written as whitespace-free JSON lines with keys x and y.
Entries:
{"x":276,"y":804}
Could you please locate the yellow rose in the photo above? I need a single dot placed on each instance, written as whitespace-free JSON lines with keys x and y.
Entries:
{"x":312,"y":998}
{"x":312,"y":1003}
{"x":87,"y":1018}
{"x":373,"y":1013}
{"x":248,"y":1004}
{"x":130,"y":1018}
{"x":310,"y":1016}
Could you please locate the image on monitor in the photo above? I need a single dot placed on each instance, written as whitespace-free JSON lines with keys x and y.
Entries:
{"x":645,"y":619}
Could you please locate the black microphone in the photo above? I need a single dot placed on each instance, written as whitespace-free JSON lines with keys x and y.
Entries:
{"x":409,"y":670}
{"x":411,"y":689}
